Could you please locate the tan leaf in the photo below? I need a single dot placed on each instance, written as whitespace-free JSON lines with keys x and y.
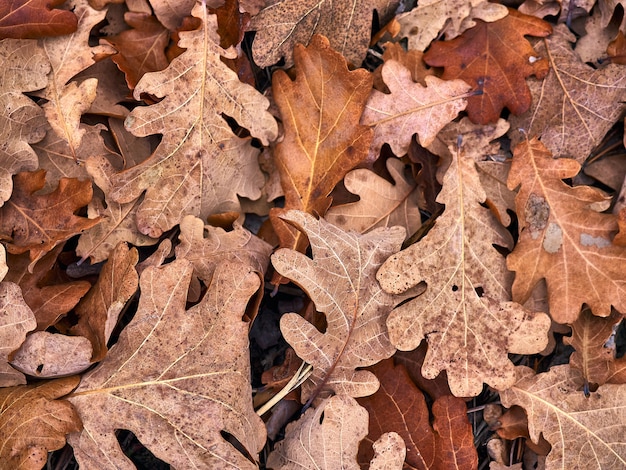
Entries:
{"x":22,"y":122}
{"x":581,"y":430}
{"x":389,"y":452}
{"x":283,"y":24}
{"x":575,"y":105}
{"x":99,"y":310}
{"x":329,"y":433}
{"x":48,"y":355}
{"x":464,"y":313}
{"x":340,"y":280}
{"x":33,"y":422}
{"x":176,"y":378}
{"x":411,"y":108}
{"x":563,"y":238}
{"x":411,"y":59}
{"x":424,"y":23}
{"x":200,"y":166}
{"x":381,"y":203}
{"x":16,"y":319}
{"x":323,"y":138}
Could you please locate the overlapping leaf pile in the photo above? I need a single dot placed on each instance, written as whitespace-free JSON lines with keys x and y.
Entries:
{"x":443,"y":215}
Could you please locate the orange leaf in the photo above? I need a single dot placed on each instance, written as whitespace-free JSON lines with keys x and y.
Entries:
{"x":495,"y":58}
{"x":21,"y":19}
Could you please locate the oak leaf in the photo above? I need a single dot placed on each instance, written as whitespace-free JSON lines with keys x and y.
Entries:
{"x":22,"y":122}
{"x":424,"y":23}
{"x":340,"y":280}
{"x":323,"y":137}
{"x":200,"y":166}
{"x":411,"y":59}
{"x":465,"y":313}
{"x":563,"y":238}
{"x":411,"y":108}
{"x":33,"y":422}
{"x":329,"y":434}
{"x":581,"y":430}
{"x":176,"y":378}
{"x":283,"y":24}
{"x":21,"y":19}
{"x":16,"y":319}
{"x":400,"y":406}
{"x":39,"y":222}
{"x":381,"y":203}
{"x":575,"y":105}
{"x":495,"y":58}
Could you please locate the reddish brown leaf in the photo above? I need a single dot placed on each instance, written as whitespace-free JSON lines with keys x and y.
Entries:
{"x":22,"y":19}
{"x":495,"y":58}
{"x":37,"y":222}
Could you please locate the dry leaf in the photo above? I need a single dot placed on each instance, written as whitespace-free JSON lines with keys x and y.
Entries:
{"x":22,"y":122}
{"x":495,"y":58}
{"x":582,"y":430}
{"x":99,"y":310}
{"x":33,"y":422}
{"x":48,"y":355}
{"x":283,"y":24}
{"x":411,"y":59}
{"x":38,"y":222}
{"x":464,"y":313}
{"x":389,"y":452}
{"x":340,"y":280}
{"x":575,"y":105}
{"x":200,"y":166}
{"x":176,"y":378}
{"x":323,"y":137}
{"x":22,"y":19}
{"x":411,"y":108}
{"x":563,"y":238}
{"x":16,"y":319}
{"x":381,"y":204}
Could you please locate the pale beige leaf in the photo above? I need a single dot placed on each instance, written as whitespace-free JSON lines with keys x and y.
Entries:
{"x":389,"y":452}
{"x":48,"y":355}
{"x":411,"y":108}
{"x":340,"y":280}
{"x":16,"y":319}
{"x":583,"y":431}
{"x":4,"y":269}
{"x":464,"y":314}
{"x":325,"y":437}
{"x":381,"y":204}
{"x":176,"y":378}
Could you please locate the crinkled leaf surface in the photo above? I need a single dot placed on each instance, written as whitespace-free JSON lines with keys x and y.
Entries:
{"x":495,"y":58}
{"x":176,"y":377}
{"x":283,"y":24}
{"x":583,"y":431}
{"x":563,"y":238}
{"x":200,"y":166}
{"x":22,"y":19}
{"x":575,"y":105}
{"x":464,"y":314}
{"x":411,"y":108}
{"x":33,"y":422}
{"x":340,"y":280}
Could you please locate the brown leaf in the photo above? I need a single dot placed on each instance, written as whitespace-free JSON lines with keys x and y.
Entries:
{"x":464,"y":313}
{"x":495,"y":58}
{"x":38,"y":222}
{"x":381,"y":203}
{"x":99,"y":310}
{"x":200,"y":166}
{"x":283,"y":24}
{"x":33,"y":422}
{"x":16,"y":319}
{"x":21,"y":19}
{"x":323,"y":137}
{"x":340,"y":280}
{"x":575,"y":105}
{"x":22,"y":122}
{"x":581,"y":430}
{"x":176,"y":378}
{"x":411,"y":59}
{"x":413,"y":362}
{"x":411,"y":108}
{"x":563,"y":238}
